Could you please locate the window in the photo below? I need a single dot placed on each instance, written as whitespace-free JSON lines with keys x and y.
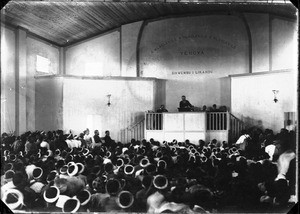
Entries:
{"x":42,"y":65}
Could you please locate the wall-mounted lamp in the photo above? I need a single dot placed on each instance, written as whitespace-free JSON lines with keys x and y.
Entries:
{"x":275,"y":92}
{"x":108,"y":101}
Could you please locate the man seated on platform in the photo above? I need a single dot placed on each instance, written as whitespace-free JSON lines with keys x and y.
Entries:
{"x":161,"y":109}
{"x":185,"y":105}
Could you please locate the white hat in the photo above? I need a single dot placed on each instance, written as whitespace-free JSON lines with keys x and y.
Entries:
{"x":43,"y":144}
{"x":125,"y":199}
{"x":84,"y":196}
{"x":72,"y":169}
{"x":37,"y":172}
{"x":71,"y":205}
{"x":270,"y":149}
{"x":29,"y":170}
{"x":80,"y":168}
{"x":51,"y":194}
{"x":13,"y":198}
{"x":160,"y":182}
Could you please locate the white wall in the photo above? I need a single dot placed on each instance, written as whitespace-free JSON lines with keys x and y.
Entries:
{"x":129,"y":37}
{"x":99,"y":56}
{"x":34,"y":48}
{"x":7,"y":80}
{"x":84,"y":99}
{"x":284,"y":44}
{"x":252,"y":98}
{"x":195,"y":55}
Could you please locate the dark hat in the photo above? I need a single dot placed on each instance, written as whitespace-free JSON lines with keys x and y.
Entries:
{"x":57,"y":152}
{"x":96,"y":170}
{"x":51,"y":176}
{"x":84,"y":196}
{"x":150,"y":169}
{"x":125,"y":199}
{"x":69,"y":150}
{"x":71,"y":205}
{"x":112,"y":186}
{"x":37,"y":173}
{"x":51,"y":195}
{"x":13,"y":198}
{"x":108,"y":167}
{"x":60,"y":163}
{"x":160,"y":182}
{"x":8,"y":166}
{"x":162,"y":164}
{"x":9,"y":174}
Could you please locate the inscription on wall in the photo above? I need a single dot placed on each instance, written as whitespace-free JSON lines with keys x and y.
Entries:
{"x":194,"y":36}
{"x":191,"y":72}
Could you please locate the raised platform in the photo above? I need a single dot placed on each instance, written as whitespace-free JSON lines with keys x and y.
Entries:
{"x":193,"y":126}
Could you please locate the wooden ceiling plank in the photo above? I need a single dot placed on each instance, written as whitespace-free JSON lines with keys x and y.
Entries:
{"x":103,"y":15}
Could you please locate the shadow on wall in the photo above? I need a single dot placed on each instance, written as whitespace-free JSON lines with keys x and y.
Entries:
{"x":250,"y":122}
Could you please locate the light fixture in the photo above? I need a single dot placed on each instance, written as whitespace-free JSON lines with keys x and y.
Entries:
{"x":108,"y":102}
{"x":275,"y":92}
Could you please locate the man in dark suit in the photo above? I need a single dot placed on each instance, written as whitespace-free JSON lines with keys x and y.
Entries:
{"x":185,"y":105}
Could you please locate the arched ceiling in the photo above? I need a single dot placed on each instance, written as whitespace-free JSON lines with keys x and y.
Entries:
{"x":66,"y":22}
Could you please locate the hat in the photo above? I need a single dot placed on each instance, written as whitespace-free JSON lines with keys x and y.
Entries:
{"x":13,"y":198}
{"x":12,"y":157}
{"x":57,"y":152}
{"x":144,"y":162}
{"x":162,"y":164}
{"x":160,"y":182}
{"x":43,"y":144}
{"x":108,"y":167}
{"x":51,"y":176}
{"x":125,"y":199}
{"x":96,"y":170}
{"x":6,"y":152}
{"x":85,"y":151}
{"x":80,"y":168}
{"x":150,"y":169}
{"x":71,"y":205}
{"x":84,"y":196}
{"x":60,"y":163}
{"x":128,"y":169}
{"x":119,"y":162}
{"x":9,"y":174}
{"x":72,"y":169}
{"x":51,"y":194}
{"x":37,"y":173}
{"x":63,"y":170}
{"x":112,"y":186}
{"x":8,"y":166}
{"x":62,"y":200}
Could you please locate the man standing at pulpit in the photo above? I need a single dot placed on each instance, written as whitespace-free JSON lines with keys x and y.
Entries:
{"x":185,"y":104}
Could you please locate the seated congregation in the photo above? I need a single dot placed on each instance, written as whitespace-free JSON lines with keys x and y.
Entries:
{"x":57,"y":172}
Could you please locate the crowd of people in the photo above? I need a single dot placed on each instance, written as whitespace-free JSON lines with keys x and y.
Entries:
{"x":57,"y":172}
